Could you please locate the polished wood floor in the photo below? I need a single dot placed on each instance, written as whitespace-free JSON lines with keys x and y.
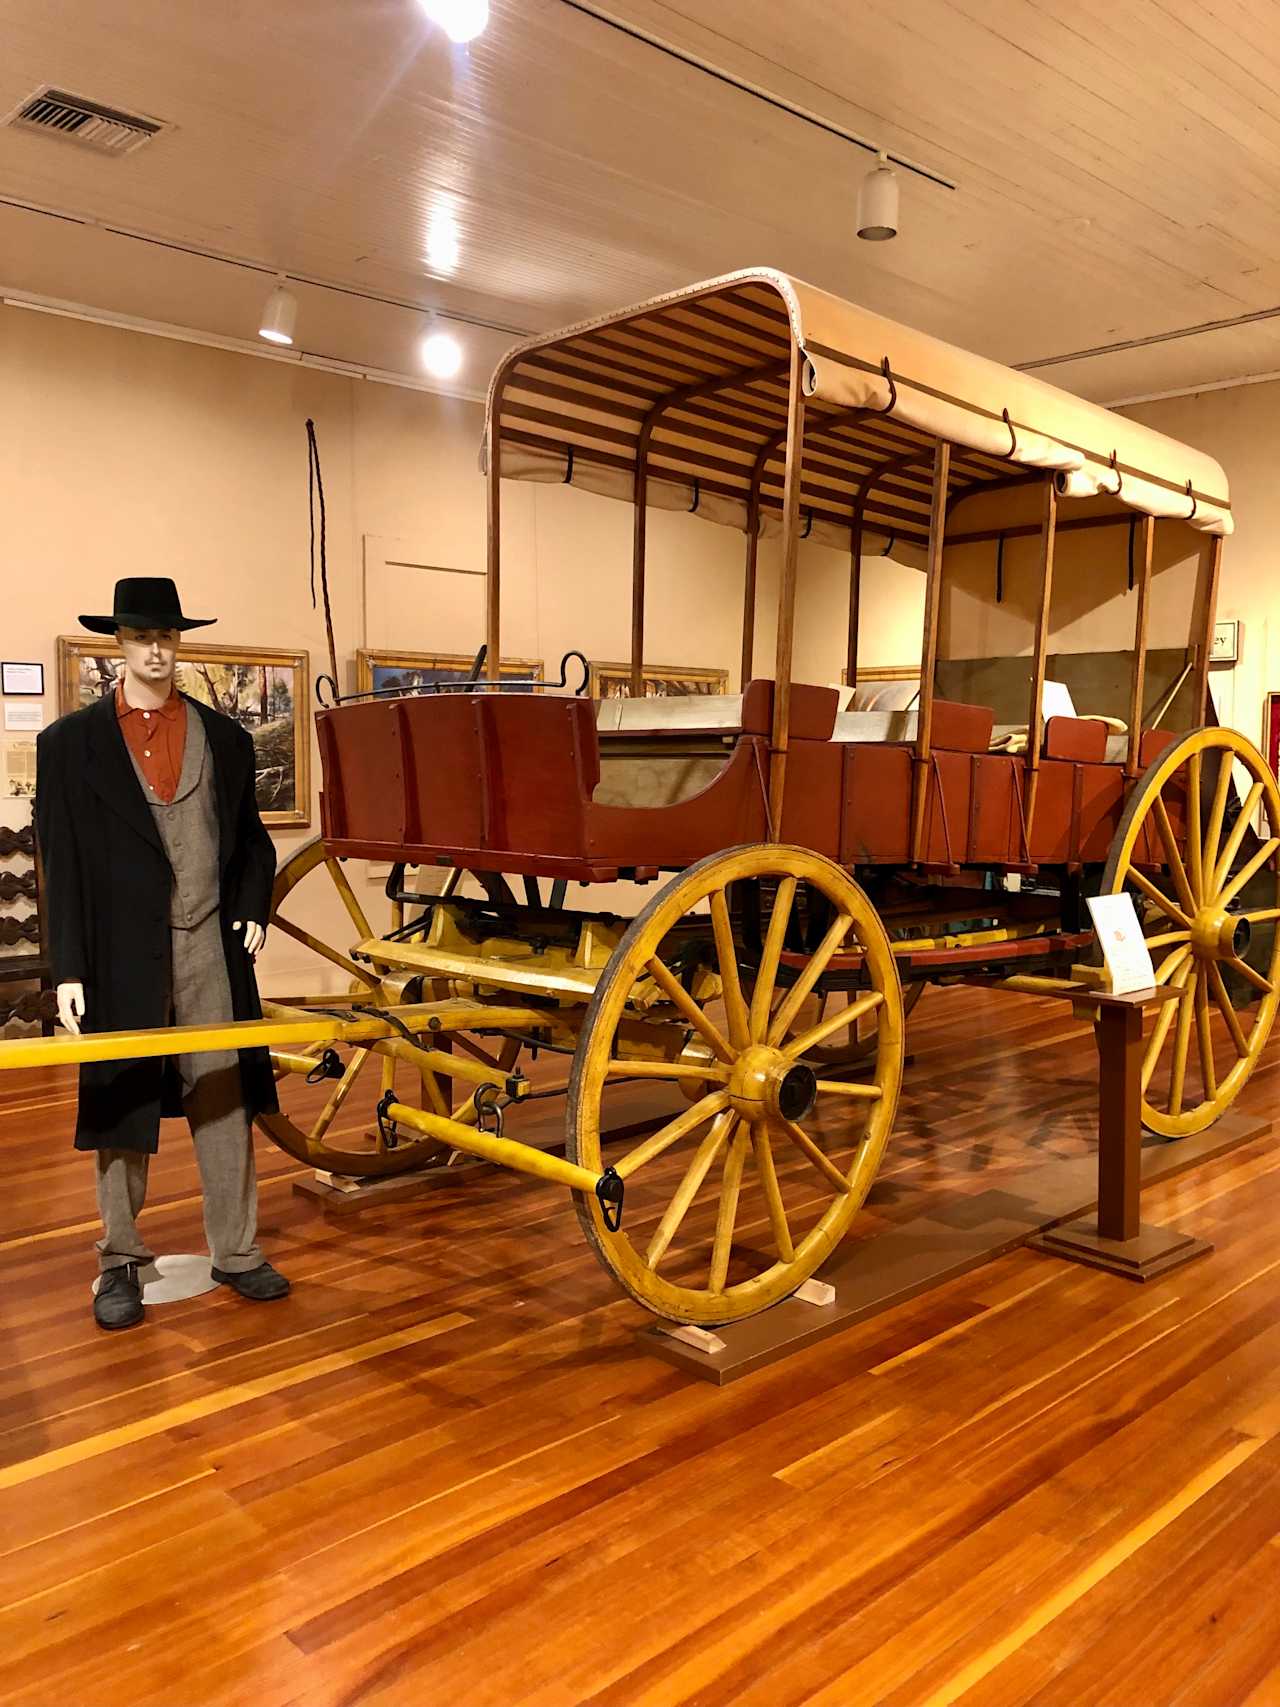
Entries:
{"x":444,"y":1472}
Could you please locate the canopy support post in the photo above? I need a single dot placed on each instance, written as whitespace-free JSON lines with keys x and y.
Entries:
{"x":787,"y":593}
{"x":749,"y":589}
{"x":1035,"y":718}
{"x":493,"y":527}
{"x":638,"y":544}
{"x":1138,"y":685}
{"x":929,"y":650}
{"x":1203,"y":621}
{"x":855,"y":602}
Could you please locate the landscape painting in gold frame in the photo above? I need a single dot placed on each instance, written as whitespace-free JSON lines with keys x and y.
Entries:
{"x":262,"y":690}
{"x":659,"y":681}
{"x":378,"y":671}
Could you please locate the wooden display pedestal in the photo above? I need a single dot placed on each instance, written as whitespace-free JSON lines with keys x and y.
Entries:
{"x":1055,"y":1207}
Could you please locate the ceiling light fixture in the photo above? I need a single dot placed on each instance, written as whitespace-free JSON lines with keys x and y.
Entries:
{"x":279,"y":316}
{"x":441,"y":353}
{"x":461,"y":20}
{"x":878,"y":203}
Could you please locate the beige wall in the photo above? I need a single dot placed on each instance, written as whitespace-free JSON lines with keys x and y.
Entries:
{"x":1241,"y":427}
{"x":122,"y":453}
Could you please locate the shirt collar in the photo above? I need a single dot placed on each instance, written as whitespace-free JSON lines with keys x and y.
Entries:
{"x":169,"y":709}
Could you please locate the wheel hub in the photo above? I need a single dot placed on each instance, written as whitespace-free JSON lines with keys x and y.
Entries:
{"x":766,"y":1083}
{"x":1218,"y":934}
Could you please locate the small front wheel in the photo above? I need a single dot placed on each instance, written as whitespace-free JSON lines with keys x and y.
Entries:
{"x":740,"y":1196}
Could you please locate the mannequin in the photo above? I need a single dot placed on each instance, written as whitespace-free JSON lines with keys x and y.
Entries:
{"x":158,"y":878}
{"x":150,"y":668}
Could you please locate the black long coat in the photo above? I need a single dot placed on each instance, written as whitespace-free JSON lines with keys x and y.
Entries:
{"x":108,"y":887}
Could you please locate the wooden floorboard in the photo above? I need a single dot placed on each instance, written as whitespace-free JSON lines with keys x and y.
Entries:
{"x":443,"y":1470}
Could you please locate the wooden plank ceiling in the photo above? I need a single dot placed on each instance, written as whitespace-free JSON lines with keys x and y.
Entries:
{"x":1117,"y":167}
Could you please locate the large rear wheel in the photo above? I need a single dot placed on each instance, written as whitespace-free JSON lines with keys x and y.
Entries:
{"x":1205,"y":880}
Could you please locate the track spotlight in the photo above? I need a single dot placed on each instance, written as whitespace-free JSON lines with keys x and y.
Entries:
{"x":279,"y":316}
{"x":461,"y":20}
{"x":878,"y":203}
{"x":441,"y":354}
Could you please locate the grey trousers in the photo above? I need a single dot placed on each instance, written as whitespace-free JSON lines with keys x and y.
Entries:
{"x":213,"y":1101}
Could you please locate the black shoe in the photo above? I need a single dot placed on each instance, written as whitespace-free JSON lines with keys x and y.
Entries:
{"x":118,"y":1300}
{"x":260,"y":1284}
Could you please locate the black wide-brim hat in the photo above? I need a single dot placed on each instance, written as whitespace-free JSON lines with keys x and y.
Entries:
{"x":145,"y":601}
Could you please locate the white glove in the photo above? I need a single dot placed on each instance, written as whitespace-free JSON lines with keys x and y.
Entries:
{"x":71,"y":1007}
{"x":254,"y":936}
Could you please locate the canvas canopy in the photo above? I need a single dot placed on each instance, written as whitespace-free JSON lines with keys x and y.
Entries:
{"x":687,"y":393}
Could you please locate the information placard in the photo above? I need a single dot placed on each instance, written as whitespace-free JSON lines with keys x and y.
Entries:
{"x":1124,"y":948}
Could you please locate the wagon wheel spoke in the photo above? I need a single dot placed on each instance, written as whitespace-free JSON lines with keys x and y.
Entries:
{"x":790,"y":1006}
{"x":676,"y":993}
{"x":1169,"y":908}
{"x":762,"y":1147}
{"x":849,"y":1088}
{"x":1238,"y":832}
{"x":1242,"y":969}
{"x":1226,"y":1007}
{"x":1174,"y":859}
{"x":814,"y":1154}
{"x":735,"y":1006}
{"x":354,"y":910}
{"x":840,"y":1020}
{"x":1171,"y":962}
{"x":672,"y":1133}
{"x":1160,"y":1030}
{"x":1182,"y":1040}
{"x":727,"y":1211}
{"x":700,"y":1165}
{"x":1168,"y":939}
{"x":1195,"y":850}
{"x":695,"y":1073}
{"x":1204,"y":1033}
{"x":1262,"y":915}
{"x":1265,"y":853}
{"x":767,"y":975}
{"x":1217,"y":812}
{"x":341,"y":1091}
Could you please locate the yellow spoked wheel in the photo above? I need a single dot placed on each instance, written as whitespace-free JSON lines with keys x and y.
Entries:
{"x":739,"y":1197}
{"x":332,"y":1123}
{"x":1206,"y":885}
{"x":855,"y":1043}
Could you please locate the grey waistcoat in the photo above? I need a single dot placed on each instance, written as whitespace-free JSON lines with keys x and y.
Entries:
{"x":188,"y":826}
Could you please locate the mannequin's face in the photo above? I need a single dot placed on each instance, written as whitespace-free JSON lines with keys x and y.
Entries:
{"x":149,"y":653}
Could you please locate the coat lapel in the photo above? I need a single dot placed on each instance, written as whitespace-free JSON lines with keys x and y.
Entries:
{"x":112,"y":776}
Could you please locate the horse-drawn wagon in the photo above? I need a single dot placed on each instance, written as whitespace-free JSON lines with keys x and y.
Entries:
{"x":812,"y":860}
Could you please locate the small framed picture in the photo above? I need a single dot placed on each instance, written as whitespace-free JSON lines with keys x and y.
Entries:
{"x":21,"y":678}
{"x":1226,"y":642}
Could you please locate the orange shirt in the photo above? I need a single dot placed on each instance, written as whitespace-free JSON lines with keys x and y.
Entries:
{"x":157,"y":739}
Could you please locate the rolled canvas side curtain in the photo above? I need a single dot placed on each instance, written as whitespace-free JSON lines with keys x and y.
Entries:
{"x":853,"y":388}
{"x":551,"y":468}
{"x":1146,"y":497}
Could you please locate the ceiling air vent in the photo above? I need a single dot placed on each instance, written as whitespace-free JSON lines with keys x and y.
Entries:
{"x":104,"y":129}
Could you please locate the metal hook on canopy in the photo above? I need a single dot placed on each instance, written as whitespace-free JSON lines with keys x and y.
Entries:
{"x":1000,"y":569}
{"x":889,"y":544}
{"x":1012,"y":451}
{"x":1195,"y":503}
{"x":697,"y":496}
{"x":887,"y":374}
{"x":1119,"y":485}
{"x":808,"y":524}
{"x":568,"y":465}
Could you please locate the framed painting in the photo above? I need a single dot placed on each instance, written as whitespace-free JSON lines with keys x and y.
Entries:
{"x":376,"y":670}
{"x":660,"y":681}
{"x":1271,"y":730}
{"x":263,"y":691}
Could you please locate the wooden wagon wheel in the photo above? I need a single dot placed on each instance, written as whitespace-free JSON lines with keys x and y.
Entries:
{"x":765,"y":1126}
{"x":1205,"y":936}
{"x":335,"y":1126}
